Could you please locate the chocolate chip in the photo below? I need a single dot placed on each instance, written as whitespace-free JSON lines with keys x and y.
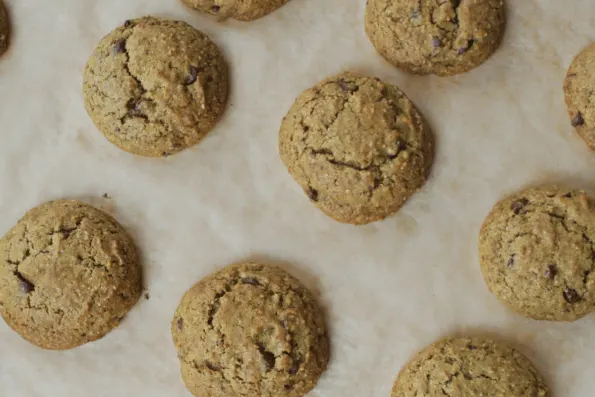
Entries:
{"x":180,"y":323}
{"x":25,"y":285}
{"x":551,"y":271}
{"x":105,"y":195}
{"x":518,"y":205}
{"x":250,"y":281}
{"x":510,"y":262}
{"x":436,"y":42}
{"x":578,"y":120}
{"x":312,"y":193}
{"x":119,"y":46}
{"x":192,"y":75}
{"x":215,"y":8}
{"x":401,"y":145}
{"x":127,"y":23}
{"x":288,"y":386}
{"x":568,"y":195}
{"x":343,"y":85}
{"x":463,"y":50}
{"x":268,"y":357}
{"x":147,"y":296}
{"x":571,"y":296}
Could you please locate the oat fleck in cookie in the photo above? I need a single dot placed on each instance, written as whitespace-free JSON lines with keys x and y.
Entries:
{"x":435,"y":37}
{"x":466,"y":367}
{"x":237,"y":9}
{"x":154,"y":87}
{"x":68,"y":274}
{"x":357,"y":146}
{"x":537,"y":253}
{"x":250,"y":330}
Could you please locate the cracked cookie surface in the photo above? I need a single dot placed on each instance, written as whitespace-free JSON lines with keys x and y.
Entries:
{"x":357,"y":146}
{"x":250,"y":330}
{"x":68,"y":275}
{"x":4,"y":28}
{"x":465,"y":367}
{"x":154,"y":87}
{"x":442,"y":37}
{"x":537,"y":253}
{"x":579,"y":93}
{"x":242,"y":10}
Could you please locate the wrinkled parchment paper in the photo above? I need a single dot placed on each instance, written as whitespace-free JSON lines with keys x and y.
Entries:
{"x":389,"y":288}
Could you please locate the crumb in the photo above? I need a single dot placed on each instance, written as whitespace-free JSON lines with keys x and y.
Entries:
{"x":105,"y":195}
{"x":147,"y":297}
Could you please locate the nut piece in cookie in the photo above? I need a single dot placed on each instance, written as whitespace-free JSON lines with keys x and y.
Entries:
{"x":578,"y":89}
{"x":239,"y":10}
{"x":435,"y":37}
{"x":357,"y":146}
{"x":250,"y":330}
{"x":537,"y":253}
{"x":154,"y":87}
{"x":465,"y":367}
{"x":68,"y":274}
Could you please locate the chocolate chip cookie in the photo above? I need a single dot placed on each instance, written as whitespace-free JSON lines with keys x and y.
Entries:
{"x":578,"y":90}
{"x":68,"y":275}
{"x":154,"y":87}
{"x":241,"y":10}
{"x":250,"y":330}
{"x":4,"y":28}
{"x":466,"y":367}
{"x":357,"y":146}
{"x":435,"y":37}
{"x":537,"y":253}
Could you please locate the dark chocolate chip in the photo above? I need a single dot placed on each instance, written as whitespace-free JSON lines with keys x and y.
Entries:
{"x":312,"y":193}
{"x":127,"y":23}
{"x":119,"y":46}
{"x":180,"y":323}
{"x":269,"y":359}
{"x":551,"y":271}
{"x":105,"y":195}
{"x":215,"y":8}
{"x":192,"y":75}
{"x":250,"y":281}
{"x":436,"y":42}
{"x":568,"y":195}
{"x":212,"y":366}
{"x":343,"y":85}
{"x":25,"y":285}
{"x":518,"y":205}
{"x":165,"y":154}
{"x":401,"y":145}
{"x":571,"y":296}
{"x":288,"y":386}
{"x":472,"y":347}
{"x":510,"y":262}
{"x":578,"y":120}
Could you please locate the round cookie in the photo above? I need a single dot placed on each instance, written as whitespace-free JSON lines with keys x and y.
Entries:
{"x":154,"y":87}
{"x":465,"y":367}
{"x":250,"y":330}
{"x":537,"y":253}
{"x":435,"y":37}
{"x":4,"y":28}
{"x":357,"y":146}
{"x":242,"y":10}
{"x":68,"y":275}
{"x":578,"y":88}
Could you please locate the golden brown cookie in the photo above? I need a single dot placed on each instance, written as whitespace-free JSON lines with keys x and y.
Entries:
{"x":250,"y":330}
{"x":469,"y":367}
{"x":578,"y":90}
{"x":154,"y":87}
{"x":435,"y":37}
{"x":242,"y":10}
{"x":4,"y":28}
{"x":357,"y":146}
{"x":68,"y":275}
{"x":537,"y":253}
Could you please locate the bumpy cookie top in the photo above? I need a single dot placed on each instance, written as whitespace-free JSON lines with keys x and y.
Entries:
{"x":442,"y":37}
{"x":4,"y":28}
{"x":578,"y":90}
{"x":68,"y":274}
{"x":154,"y":87}
{"x":466,"y":367}
{"x":250,"y":330}
{"x":537,"y":253}
{"x":242,"y":10}
{"x":357,"y":146}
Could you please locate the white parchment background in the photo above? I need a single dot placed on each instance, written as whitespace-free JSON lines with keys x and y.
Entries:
{"x":389,"y":288}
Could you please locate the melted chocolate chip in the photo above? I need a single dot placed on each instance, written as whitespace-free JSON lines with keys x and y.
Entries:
{"x":571,"y":296}
{"x":127,"y":23}
{"x":551,"y":271}
{"x":119,"y":46}
{"x":250,"y":281}
{"x":215,"y":8}
{"x":180,"y":323}
{"x":578,"y":120}
{"x":518,"y":205}
{"x":436,"y":42}
{"x":401,"y":145}
{"x":25,"y":285}
{"x":312,"y":193}
{"x":192,"y":75}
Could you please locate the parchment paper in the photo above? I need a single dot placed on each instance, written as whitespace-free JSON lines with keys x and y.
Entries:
{"x":389,"y":288}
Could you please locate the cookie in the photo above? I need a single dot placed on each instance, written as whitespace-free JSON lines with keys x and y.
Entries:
{"x":537,"y":253}
{"x":357,"y":146}
{"x":4,"y":28}
{"x":241,"y":10}
{"x":250,"y":330}
{"x":578,"y":89}
{"x":68,"y":275}
{"x":154,"y":87}
{"x":435,"y":37}
{"x":466,"y":367}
